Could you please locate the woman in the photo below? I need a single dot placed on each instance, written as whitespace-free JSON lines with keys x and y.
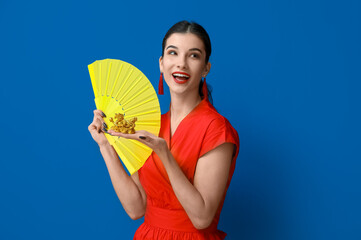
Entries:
{"x":181,"y":188}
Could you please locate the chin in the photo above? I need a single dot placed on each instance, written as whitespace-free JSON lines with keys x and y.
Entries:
{"x":180,"y":90}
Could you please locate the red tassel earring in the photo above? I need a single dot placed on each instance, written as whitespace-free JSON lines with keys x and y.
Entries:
{"x":205,"y":89}
{"x":160,"y":85}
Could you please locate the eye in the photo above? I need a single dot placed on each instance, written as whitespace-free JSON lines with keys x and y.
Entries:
{"x":194,"y":55}
{"x":172,"y":52}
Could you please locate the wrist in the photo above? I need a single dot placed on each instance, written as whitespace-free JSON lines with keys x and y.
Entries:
{"x":108,"y":152}
{"x":104,"y":146}
{"x":162,"y":148}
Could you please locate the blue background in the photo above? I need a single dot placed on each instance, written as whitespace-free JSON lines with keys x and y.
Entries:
{"x":285,"y":73}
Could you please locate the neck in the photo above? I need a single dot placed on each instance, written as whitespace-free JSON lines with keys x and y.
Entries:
{"x":182,"y":105}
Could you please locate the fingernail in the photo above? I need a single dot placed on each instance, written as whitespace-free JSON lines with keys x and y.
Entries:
{"x":105,"y":125}
{"x":103,"y":114}
{"x":142,"y":137}
{"x":105,"y":130}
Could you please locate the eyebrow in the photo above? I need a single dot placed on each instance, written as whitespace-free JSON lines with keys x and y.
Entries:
{"x":192,"y":49}
{"x":171,"y":46}
{"x":195,"y":49}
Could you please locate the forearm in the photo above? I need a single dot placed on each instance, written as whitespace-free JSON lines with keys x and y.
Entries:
{"x":126,"y":189}
{"x":190,"y":198}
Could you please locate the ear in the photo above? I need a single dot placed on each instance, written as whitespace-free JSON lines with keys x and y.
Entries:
{"x":161,"y":64}
{"x":207,"y":69}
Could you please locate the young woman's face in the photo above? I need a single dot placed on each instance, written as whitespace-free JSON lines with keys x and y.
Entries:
{"x":183,"y":64}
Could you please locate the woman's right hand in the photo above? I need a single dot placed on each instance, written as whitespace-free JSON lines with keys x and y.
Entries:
{"x":96,"y":128}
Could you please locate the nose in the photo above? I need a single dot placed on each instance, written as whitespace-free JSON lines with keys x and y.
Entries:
{"x":182,"y":62}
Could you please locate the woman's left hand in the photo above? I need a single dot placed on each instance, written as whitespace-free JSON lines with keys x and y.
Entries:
{"x":156,"y":143}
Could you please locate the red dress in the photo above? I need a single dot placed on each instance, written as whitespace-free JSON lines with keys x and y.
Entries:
{"x":202,"y":130}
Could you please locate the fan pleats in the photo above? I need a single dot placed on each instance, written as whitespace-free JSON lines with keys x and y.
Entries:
{"x":119,"y":87}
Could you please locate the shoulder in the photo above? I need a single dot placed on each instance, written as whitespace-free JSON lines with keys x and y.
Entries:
{"x":164,"y":115}
{"x":218,"y":131}
{"x":215,"y":119}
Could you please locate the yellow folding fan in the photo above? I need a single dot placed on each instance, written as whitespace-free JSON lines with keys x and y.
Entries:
{"x":119,"y":87}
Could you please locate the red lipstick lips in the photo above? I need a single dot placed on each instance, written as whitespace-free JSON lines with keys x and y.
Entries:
{"x":180,"y":77}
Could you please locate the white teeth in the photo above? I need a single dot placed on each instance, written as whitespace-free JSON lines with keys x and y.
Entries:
{"x":180,"y":75}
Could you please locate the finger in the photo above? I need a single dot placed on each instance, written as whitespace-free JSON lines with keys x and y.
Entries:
{"x":91,"y":127}
{"x":147,"y":140}
{"x":99,"y":124}
{"x":99,"y":112}
{"x":118,"y":134}
{"x":124,"y":135}
{"x":144,"y":135}
{"x":93,"y":130}
{"x":98,"y":118}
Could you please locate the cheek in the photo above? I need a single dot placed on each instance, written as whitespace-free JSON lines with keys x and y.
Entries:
{"x":167,"y":65}
{"x":199,"y":68}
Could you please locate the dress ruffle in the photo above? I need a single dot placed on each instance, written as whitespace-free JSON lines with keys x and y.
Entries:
{"x":149,"y":232}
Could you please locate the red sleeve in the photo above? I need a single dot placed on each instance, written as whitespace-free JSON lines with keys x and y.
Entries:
{"x":218,"y":132}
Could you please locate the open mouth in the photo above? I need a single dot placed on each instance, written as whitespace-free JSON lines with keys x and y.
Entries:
{"x":180,"y":77}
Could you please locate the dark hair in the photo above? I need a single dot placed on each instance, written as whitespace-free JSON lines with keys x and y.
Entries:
{"x":195,"y":28}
